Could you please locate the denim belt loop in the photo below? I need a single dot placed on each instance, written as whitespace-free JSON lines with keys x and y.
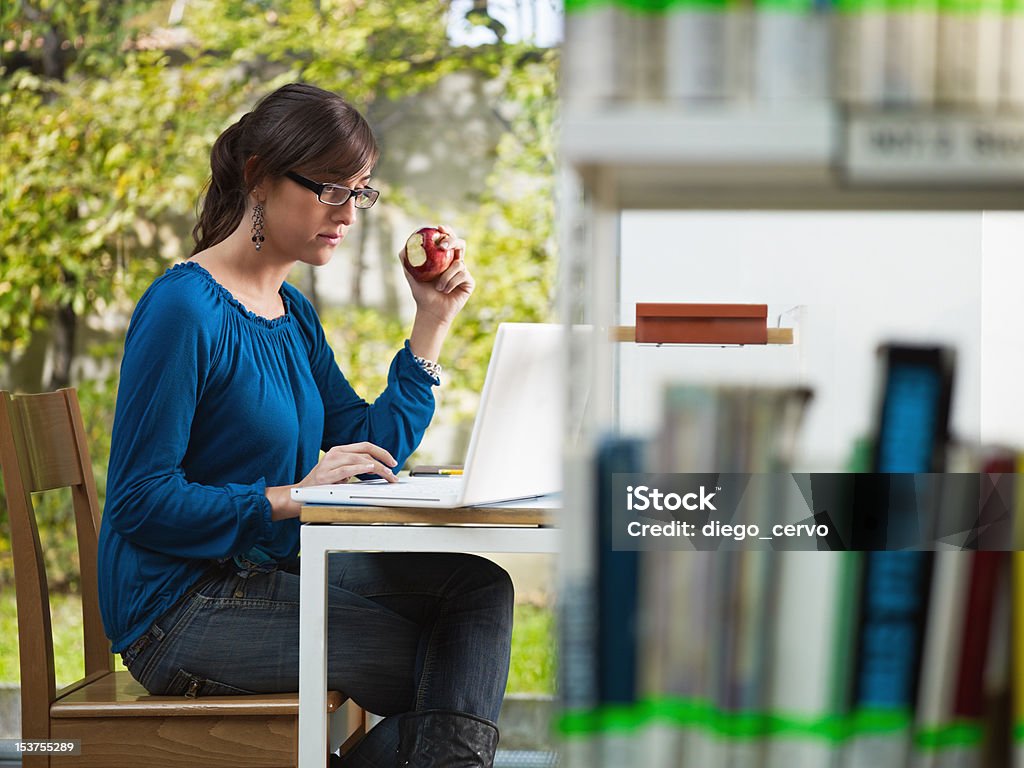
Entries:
{"x":152,"y":635}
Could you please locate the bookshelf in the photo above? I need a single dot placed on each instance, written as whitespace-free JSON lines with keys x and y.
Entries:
{"x":796,"y":158}
{"x":655,"y":153}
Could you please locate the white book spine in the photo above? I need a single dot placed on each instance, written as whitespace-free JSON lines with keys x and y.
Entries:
{"x":591,"y":73}
{"x":987,"y":86}
{"x":970,"y":54}
{"x":619,"y":748}
{"x":910,"y":55}
{"x":960,"y":757}
{"x":696,"y":65}
{"x":707,"y":748}
{"x":948,"y":757}
{"x":746,"y":753}
{"x":740,"y":45}
{"x":791,"y":59}
{"x":577,"y":611}
{"x":786,"y":752}
{"x":948,"y":66}
{"x":940,"y":660}
{"x":806,"y":640}
{"x":1012,"y":75}
{"x":872,"y":751}
{"x":861,"y":56}
{"x":578,"y":752}
{"x":660,"y":746}
{"x":644,"y":55}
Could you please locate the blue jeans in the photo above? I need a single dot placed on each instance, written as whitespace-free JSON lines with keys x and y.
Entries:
{"x":406,"y":632}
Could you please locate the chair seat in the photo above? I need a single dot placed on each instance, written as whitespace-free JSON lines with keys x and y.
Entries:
{"x":118,"y":694}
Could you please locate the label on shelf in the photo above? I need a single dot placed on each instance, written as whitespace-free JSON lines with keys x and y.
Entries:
{"x":907,"y":148}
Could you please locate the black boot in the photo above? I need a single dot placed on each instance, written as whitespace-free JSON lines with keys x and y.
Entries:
{"x":439,"y":738}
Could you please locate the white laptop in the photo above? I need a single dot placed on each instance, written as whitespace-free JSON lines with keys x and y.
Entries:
{"x":515,"y":450}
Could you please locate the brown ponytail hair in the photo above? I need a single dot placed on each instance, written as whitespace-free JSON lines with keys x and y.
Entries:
{"x":297,"y":127}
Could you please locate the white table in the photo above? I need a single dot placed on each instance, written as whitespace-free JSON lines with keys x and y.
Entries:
{"x":499,"y":528}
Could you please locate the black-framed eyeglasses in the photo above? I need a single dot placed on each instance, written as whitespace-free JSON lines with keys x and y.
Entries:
{"x":335,"y":194}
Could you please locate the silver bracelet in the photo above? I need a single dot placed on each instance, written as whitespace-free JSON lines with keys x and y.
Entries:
{"x":432,"y":369}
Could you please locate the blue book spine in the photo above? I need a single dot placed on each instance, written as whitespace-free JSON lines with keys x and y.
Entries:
{"x":617,"y":580}
{"x":911,"y":436}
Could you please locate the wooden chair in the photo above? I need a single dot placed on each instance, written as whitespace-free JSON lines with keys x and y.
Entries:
{"x":43,"y":447}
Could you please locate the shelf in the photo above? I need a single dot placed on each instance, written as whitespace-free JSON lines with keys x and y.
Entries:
{"x":719,"y":136}
{"x":806,"y":158}
{"x":810,"y":158}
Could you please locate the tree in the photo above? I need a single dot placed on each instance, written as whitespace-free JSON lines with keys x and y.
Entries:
{"x":100,"y":143}
{"x":106,"y":144}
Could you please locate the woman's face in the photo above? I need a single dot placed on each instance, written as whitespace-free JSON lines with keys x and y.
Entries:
{"x":301,"y":228}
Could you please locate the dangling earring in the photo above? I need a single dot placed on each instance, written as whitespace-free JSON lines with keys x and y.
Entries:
{"x":257,"y":226}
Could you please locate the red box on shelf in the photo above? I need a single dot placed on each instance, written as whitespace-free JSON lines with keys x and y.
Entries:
{"x":702,"y":323}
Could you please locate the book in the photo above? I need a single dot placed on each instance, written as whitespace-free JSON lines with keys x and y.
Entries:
{"x":809,"y":675}
{"x":676,"y":599}
{"x":703,"y":53}
{"x":613,"y":52}
{"x":617,"y":579}
{"x":860,"y":30}
{"x":969,"y":705}
{"x":911,"y":49}
{"x":792,"y":51}
{"x":970,"y":53}
{"x":997,"y":718}
{"x":1017,"y":612}
{"x":577,"y":616}
{"x":617,"y":596}
{"x":764,"y":420}
{"x":943,"y":647}
{"x":894,"y":596}
{"x":1011,"y":76}
{"x":643,"y":50}
{"x":715,"y":669}
{"x":911,"y":434}
{"x":590,"y":74}
{"x":675,"y":610}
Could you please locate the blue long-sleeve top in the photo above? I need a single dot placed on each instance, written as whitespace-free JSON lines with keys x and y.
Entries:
{"x":215,"y":404}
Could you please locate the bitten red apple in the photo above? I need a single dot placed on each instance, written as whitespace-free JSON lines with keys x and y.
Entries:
{"x":424,"y":258}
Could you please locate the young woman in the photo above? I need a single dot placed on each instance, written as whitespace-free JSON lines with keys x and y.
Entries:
{"x":228,"y":394}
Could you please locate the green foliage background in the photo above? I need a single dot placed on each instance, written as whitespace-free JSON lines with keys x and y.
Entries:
{"x":106,"y":146}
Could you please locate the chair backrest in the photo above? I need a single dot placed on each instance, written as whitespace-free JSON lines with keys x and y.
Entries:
{"x":43,"y":448}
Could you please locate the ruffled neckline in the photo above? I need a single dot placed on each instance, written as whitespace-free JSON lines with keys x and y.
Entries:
{"x":227,"y":296}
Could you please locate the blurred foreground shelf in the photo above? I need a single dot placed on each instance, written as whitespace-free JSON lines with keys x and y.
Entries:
{"x":809,"y":157}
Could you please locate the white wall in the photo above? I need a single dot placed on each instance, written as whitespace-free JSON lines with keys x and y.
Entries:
{"x":858,"y":279}
{"x":1002,"y":327}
